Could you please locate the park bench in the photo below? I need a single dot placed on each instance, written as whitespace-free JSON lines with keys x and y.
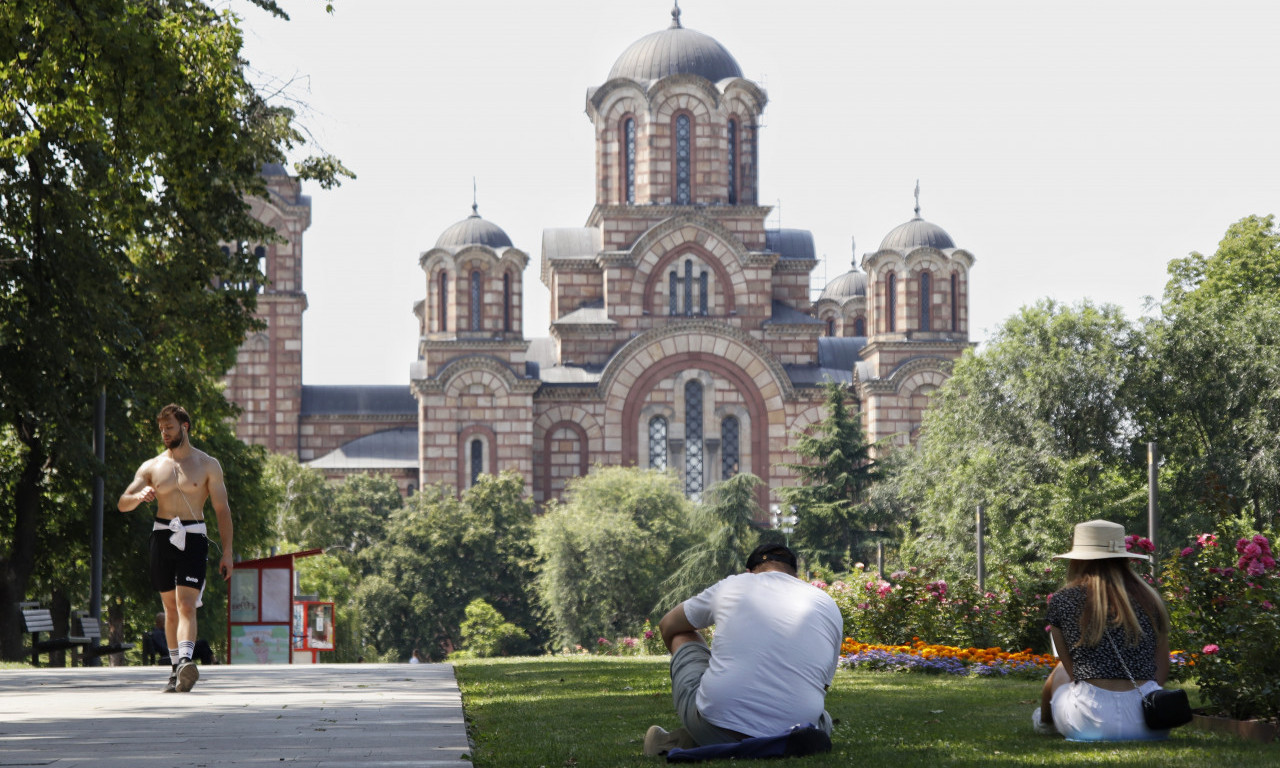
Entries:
{"x":37,"y":620}
{"x":92,"y":629}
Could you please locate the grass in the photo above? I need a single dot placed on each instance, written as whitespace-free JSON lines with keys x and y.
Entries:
{"x":581,"y":712}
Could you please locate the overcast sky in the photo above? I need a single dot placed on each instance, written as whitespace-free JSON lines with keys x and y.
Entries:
{"x":1073,"y":147}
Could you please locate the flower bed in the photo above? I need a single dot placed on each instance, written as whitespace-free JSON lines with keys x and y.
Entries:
{"x":919,"y":656}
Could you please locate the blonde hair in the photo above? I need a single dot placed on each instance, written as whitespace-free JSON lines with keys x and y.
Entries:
{"x":1110,"y":589}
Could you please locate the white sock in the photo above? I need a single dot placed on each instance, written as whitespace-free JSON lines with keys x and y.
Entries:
{"x":173,"y":658}
{"x":186,"y":649}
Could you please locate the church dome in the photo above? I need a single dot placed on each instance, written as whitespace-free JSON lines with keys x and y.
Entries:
{"x":851,"y":283}
{"x":917,"y":233}
{"x":474,"y":230}
{"x":675,"y":51}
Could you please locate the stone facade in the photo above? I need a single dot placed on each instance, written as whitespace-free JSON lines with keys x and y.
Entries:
{"x":683,"y":333}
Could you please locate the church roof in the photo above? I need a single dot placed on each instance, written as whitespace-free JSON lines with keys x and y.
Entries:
{"x":572,"y":242}
{"x":916,"y":233}
{"x":785,"y":314}
{"x":389,"y":449}
{"x":358,"y":399}
{"x":791,"y":243}
{"x":474,"y":230}
{"x":675,"y":51}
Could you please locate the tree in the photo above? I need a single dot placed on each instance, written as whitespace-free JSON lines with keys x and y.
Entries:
{"x":1214,"y":380}
{"x":439,"y":554}
{"x":129,"y":140}
{"x":836,"y":471}
{"x":485,"y":633}
{"x":606,"y":550}
{"x":724,"y":533}
{"x":1040,"y":429}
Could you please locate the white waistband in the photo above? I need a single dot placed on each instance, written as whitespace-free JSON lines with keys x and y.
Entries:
{"x":192,"y":528}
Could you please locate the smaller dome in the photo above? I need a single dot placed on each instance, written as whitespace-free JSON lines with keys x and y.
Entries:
{"x":851,"y":283}
{"x":474,"y":230}
{"x":916,"y":233}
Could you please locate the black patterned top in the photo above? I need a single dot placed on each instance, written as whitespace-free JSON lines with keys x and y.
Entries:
{"x":1101,"y":661}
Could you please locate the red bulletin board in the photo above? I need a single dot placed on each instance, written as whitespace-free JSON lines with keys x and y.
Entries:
{"x":260,"y":610}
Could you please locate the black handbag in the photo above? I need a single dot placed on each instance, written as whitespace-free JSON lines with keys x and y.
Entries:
{"x":1166,"y":708}
{"x":1163,"y":709}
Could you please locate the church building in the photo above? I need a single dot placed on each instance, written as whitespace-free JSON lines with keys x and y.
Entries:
{"x":683,"y":335}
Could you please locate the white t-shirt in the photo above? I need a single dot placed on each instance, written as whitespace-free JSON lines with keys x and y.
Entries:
{"x":776,"y":644}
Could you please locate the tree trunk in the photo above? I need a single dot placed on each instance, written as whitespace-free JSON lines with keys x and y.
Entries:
{"x":16,"y":569}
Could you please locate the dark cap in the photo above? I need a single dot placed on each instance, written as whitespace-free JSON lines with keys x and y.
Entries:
{"x":771,"y":552}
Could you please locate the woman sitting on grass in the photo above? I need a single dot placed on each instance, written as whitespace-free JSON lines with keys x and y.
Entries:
{"x":1107,"y":624}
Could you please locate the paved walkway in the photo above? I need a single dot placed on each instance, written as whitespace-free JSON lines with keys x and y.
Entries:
{"x":327,"y":715}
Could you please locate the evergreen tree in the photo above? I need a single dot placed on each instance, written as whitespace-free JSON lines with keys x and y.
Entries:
{"x":836,"y":471}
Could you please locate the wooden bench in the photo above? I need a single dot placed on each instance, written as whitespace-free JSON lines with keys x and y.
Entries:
{"x":91,"y":629}
{"x":37,"y":620}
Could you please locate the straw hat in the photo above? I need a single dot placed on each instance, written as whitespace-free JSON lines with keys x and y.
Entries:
{"x":1099,"y":540}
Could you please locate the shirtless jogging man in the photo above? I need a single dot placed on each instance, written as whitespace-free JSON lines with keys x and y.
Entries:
{"x":179,"y":480}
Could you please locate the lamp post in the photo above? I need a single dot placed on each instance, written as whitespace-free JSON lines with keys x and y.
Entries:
{"x":784,"y":523}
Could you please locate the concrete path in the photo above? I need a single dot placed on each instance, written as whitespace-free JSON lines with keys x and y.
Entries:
{"x":327,"y":715}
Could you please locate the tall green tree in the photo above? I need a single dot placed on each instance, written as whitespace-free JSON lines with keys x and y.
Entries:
{"x":439,"y":554}
{"x":836,"y":470}
{"x":606,"y":550}
{"x":724,"y":534}
{"x":1039,"y":428}
{"x":129,"y":140}
{"x":1214,"y":380}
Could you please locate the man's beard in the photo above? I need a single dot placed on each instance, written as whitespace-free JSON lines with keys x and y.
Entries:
{"x":177,"y":442}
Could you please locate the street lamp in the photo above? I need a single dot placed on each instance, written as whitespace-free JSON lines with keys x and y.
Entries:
{"x":784,"y":523}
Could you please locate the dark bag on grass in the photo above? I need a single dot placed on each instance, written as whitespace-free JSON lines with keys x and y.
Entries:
{"x":798,"y":741}
{"x":1166,"y":708}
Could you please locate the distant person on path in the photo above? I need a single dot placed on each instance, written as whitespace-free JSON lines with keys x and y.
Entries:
{"x":416,"y":658}
{"x":180,"y":479}
{"x":156,"y":638}
{"x":777,"y":641}
{"x":1104,"y":620}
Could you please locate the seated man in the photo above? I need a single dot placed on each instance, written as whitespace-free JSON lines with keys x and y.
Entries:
{"x":777,"y":640}
{"x":155,"y":644}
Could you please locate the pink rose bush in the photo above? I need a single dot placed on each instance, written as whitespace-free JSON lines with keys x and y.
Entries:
{"x":1222,"y":601}
{"x":915,"y":602}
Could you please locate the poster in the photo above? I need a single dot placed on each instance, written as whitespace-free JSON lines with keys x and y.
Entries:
{"x":244,"y":595}
{"x":261,"y":644}
{"x":277,"y":595}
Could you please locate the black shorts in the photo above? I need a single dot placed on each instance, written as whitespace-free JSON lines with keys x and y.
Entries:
{"x":172,"y":567}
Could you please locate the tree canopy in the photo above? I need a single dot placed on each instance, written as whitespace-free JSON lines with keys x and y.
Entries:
{"x":130,"y":139}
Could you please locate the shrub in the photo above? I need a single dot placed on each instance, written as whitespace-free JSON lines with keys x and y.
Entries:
{"x":916,"y":602}
{"x":485,"y":633}
{"x":1223,"y":594}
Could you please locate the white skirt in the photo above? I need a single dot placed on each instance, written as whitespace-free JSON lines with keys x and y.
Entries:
{"x":1084,"y":712}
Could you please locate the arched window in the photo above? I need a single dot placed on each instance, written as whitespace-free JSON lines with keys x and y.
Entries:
{"x":684,"y":160}
{"x":693,"y":457}
{"x":506,"y":301}
{"x":688,"y":286}
{"x":675,"y":294}
{"x":733,"y":162}
{"x":702,"y":293}
{"x":477,"y":460}
{"x":831,"y":326}
{"x":629,"y":160}
{"x":955,"y":302}
{"x":730,"y":438}
{"x":926,"y":299}
{"x":859,"y":327}
{"x":444,"y":301}
{"x":658,"y":442}
{"x":477,"y":293}
{"x":891,"y":302}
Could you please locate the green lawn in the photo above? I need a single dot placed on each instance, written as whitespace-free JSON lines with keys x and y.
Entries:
{"x":571,"y":712}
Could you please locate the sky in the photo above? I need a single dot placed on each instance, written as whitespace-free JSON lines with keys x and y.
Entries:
{"x":1074,"y":148}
